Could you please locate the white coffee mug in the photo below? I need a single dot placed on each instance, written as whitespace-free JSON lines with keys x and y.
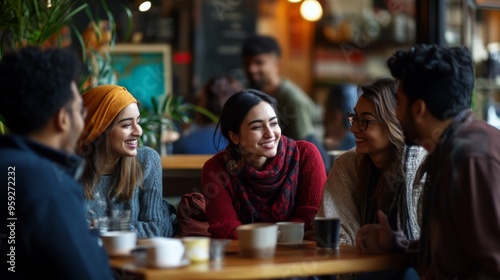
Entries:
{"x":290,"y":232}
{"x":118,"y":243}
{"x":168,"y":252}
{"x":257,"y":240}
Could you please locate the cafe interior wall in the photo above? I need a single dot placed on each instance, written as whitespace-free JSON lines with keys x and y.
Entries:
{"x":312,"y":62}
{"x":302,"y":53}
{"x":282,"y":20}
{"x":486,"y":52}
{"x":316,"y":62}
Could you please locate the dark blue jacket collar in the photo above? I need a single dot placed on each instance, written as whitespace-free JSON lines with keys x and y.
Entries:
{"x":71,"y":163}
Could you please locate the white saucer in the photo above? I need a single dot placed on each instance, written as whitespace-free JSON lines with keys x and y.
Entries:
{"x":287,"y":244}
{"x":184,"y":262}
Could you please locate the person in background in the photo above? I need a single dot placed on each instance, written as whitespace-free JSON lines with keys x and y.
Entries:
{"x":45,"y":232}
{"x":297,"y":112}
{"x":461,"y":204}
{"x":380,"y":173}
{"x":340,"y":101}
{"x":119,"y":176}
{"x":262,"y":175}
{"x":198,"y":138}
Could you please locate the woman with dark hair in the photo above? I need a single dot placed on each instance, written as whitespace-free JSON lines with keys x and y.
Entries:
{"x":261,"y":176}
{"x":381,"y":173}
{"x":119,"y":175}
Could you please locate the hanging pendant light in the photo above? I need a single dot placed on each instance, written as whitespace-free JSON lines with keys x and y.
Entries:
{"x":311,"y":10}
{"x":145,"y":6}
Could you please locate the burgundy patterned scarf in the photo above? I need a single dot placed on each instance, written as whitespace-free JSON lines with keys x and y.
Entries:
{"x":267,"y":195}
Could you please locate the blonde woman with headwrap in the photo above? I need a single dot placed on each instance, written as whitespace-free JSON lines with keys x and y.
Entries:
{"x":119,"y":175}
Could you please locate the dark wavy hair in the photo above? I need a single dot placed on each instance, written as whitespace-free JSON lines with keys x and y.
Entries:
{"x":259,"y":44}
{"x":237,"y":107}
{"x":442,"y":77}
{"x":34,"y":85}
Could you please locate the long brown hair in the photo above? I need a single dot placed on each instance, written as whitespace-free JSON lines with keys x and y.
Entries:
{"x":127,"y":173}
{"x":391,"y":181}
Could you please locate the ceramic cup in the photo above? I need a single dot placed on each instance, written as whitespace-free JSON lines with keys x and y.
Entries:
{"x":290,"y":232}
{"x":326,"y":232}
{"x":164,"y":252}
{"x":118,"y":243}
{"x":257,"y":240}
{"x":197,"y":248}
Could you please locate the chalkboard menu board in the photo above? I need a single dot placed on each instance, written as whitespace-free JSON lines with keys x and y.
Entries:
{"x":220,"y":28}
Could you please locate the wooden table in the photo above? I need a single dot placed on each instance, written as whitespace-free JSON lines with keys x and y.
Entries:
{"x":306,"y":260}
{"x":182,"y":173}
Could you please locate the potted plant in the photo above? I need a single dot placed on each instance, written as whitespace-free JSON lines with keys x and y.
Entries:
{"x":48,"y":23}
{"x":36,"y":22}
{"x":45,"y":23}
{"x":161,"y":120}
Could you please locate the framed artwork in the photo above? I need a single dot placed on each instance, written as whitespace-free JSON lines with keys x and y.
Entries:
{"x":144,"y":69}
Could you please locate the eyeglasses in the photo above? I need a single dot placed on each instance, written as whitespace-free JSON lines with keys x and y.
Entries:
{"x":362,"y":123}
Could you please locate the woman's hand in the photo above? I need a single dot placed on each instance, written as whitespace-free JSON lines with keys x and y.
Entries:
{"x":375,"y":238}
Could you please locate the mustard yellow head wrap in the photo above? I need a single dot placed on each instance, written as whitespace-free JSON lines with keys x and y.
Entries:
{"x":103,"y":103}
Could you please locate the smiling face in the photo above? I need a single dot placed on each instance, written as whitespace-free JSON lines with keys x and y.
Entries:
{"x":261,"y":69}
{"x":125,"y":133}
{"x":374,"y":141}
{"x":259,"y":135}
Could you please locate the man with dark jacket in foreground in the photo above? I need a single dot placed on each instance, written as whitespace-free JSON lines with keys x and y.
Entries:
{"x":45,"y":233}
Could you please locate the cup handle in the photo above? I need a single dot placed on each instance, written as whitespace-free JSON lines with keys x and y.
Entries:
{"x":279,"y":235}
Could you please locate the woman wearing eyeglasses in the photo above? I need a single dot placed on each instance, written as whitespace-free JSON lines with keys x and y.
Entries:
{"x":379,"y":173}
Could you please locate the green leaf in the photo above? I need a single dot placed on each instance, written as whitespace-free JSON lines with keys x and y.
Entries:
{"x":130,"y":22}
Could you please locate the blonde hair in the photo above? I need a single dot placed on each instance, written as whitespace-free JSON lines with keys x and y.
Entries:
{"x":391,"y":182}
{"x":127,"y":173}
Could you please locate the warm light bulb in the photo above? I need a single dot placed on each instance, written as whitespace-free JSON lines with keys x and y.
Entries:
{"x":294,"y":1}
{"x":311,"y":10}
{"x":145,"y":6}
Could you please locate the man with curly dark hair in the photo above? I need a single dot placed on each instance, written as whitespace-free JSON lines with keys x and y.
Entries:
{"x":460,"y":234}
{"x":46,"y":234}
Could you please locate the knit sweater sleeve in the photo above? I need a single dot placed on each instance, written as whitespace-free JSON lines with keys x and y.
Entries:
{"x":312,"y":178}
{"x":153,"y":217}
{"x":217,"y":190}
{"x":415,"y":179}
{"x":338,"y":200}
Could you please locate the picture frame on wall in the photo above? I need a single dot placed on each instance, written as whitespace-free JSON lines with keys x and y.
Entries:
{"x":144,"y":69}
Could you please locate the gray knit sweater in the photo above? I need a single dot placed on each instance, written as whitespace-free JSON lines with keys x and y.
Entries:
{"x":150,"y":214}
{"x":338,"y":198}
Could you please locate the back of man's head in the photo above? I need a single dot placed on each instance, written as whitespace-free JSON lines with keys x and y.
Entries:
{"x":260,"y":44}
{"x":34,"y":85}
{"x":442,"y":77}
